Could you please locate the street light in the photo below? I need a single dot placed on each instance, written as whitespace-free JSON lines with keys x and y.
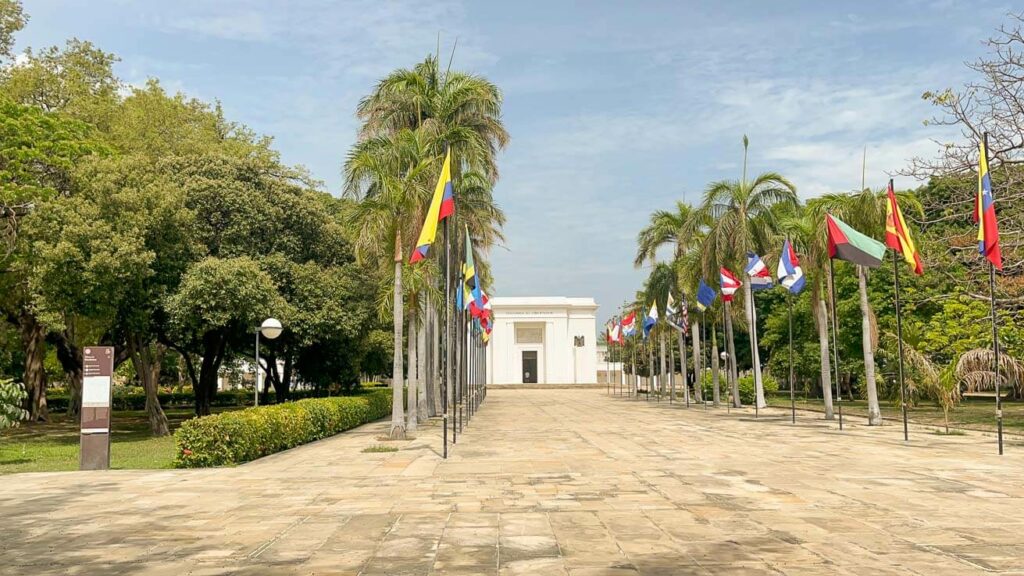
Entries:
{"x":271,"y":328}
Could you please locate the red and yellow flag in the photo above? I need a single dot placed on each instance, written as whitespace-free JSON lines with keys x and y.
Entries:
{"x":897,"y":236}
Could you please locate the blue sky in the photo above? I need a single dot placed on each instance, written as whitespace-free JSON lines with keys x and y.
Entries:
{"x":615,"y":108}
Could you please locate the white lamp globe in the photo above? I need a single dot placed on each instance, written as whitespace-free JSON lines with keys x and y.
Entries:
{"x":271,"y":328}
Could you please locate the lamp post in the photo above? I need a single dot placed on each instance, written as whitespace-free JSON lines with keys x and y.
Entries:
{"x":271,"y":328}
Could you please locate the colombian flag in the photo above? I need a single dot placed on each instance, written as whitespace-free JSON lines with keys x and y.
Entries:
{"x":442,"y":205}
{"x":897,"y":236}
{"x":985,"y":213}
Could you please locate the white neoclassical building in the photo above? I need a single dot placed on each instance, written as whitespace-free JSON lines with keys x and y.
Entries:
{"x":543,"y":340}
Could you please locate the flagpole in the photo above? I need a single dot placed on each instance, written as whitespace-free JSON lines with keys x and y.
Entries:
{"x":792,"y":396}
{"x":835,"y":341}
{"x":728,"y":367}
{"x":753,"y":344}
{"x":995,"y":328}
{"x":703,"y":349}
{"x":447,"y":313}
{"x":899,"y":340}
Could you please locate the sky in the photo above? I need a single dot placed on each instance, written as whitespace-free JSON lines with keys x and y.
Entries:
{"x":615,"y":109}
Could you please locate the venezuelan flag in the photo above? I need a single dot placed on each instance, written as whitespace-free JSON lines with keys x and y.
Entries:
{"x":897,"y":236}
{"x":442,"y":205}
{"x":985,"y":213}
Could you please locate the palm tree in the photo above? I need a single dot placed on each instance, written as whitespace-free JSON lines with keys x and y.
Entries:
{"x":450,"y":109}
{"x":865,"y":211}
{"x":389,"y":176}
{"x":742,"y":217}
{"x":805,"y":229}
{"x":668,"y":228}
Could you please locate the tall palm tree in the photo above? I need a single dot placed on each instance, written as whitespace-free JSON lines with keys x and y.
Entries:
{"x":668,"y":228}
{"x":865,"y":211}
{"x":742,"y":216}
{"x":805,"y":229}
{"x":389,"y":175}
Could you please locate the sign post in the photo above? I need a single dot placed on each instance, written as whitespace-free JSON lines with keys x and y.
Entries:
{"x":98,"y":369}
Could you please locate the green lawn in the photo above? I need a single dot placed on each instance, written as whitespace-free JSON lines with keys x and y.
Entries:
{"x":53,"y":446}
{"x":974,"y":413}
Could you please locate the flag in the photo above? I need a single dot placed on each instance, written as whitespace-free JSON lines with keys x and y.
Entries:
{"x":629,"y":324}
{"x":845,"y":243}
{"x":616,"y":332}
{"x":760,"y":276}
{"x":985,"y":214}
{"x":608,"y":327}
{"x":684,"y":322}
{"x":651,"y":319}
{"x":897,"y":236}
{"x":470,"y":280}
{"x":790,"y":274}
{"x":705,"y":296}
{"x":670,"y":307}
{"x":730,"y":284}
{"x":442,"y":205}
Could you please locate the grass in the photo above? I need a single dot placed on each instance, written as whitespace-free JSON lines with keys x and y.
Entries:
{"x":53,"y":446}
{"x":379,"y":448}
{"x":974,"y":413}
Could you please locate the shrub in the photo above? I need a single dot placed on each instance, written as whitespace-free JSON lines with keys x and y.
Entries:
{"x":132,"y":398}
{"x":747,"y":391}
{"x":244,"y":435}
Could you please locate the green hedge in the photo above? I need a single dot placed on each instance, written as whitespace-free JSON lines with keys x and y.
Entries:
{"x":243,"y":435}
{"x":746,"y":384}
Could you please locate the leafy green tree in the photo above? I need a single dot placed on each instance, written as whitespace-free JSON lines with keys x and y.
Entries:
{"x":219,"y":298}
{"x":12,"y":19}
{"x":12,"y":396}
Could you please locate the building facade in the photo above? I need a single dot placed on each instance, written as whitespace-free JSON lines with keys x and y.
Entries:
{"x":542,"y":340}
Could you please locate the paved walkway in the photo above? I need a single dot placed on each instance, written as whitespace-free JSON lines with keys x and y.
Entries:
{"x":547,"y":482}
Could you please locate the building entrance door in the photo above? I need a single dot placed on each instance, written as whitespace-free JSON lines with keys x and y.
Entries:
{"x":529,"y":366}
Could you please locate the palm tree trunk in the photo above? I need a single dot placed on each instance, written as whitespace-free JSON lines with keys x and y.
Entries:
{"x":412,"y":413}
{"x":423,"y":400}
{"x":754,"y":353}
{"x":715,"y":385}
{"x":397,"y":417}
{"x":874,"y":412}
{"x":662,"y":362}
{"x":826,"y":358}
{"x":682,"y":366}
{"x":734,"y":384}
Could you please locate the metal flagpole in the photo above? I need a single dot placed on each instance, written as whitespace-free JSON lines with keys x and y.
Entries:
{"x":703,"y":350}
{"x":728,"y":367}
{"x":835,"y":341}
{"x":899,"y":339}
{"x":995,"y":331}
{"x":448,"y":300}
{"x":792,"y":397}
{"x":671,"y":375}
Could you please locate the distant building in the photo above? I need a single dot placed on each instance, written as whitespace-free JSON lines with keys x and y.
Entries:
{"x":543,"y":340}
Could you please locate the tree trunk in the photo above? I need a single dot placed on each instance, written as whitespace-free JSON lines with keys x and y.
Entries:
{"x":716,"y":390}
{"x":730,"y":364}
{"x":435,"y":360}
{"x":698,"y":374}
{"x":397,"y":417}
{"x":424,"y":399}
{"x":682,"y":366}
{"x":826,"y":359}
{"x":70,"y":357}
{"x":661,"y":362}
{"x":755,"y":355}
{"x":412,"y":411}
{"x":874,"y":412}
{"x":147,"y":367}
{"x":214,"y":343}
{"x":33,"y":340}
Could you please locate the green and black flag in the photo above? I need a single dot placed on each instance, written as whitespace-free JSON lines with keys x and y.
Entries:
{"x":845,"y":243}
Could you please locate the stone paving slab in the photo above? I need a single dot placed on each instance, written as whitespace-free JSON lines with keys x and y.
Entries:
{"x":562,"y":482}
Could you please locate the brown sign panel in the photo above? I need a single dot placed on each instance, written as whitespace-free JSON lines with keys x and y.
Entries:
{"x":97,"y":376}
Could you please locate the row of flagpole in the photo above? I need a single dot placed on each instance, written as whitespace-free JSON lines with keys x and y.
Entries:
{"x":844,"y":243}
{"x":467,"y":321}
